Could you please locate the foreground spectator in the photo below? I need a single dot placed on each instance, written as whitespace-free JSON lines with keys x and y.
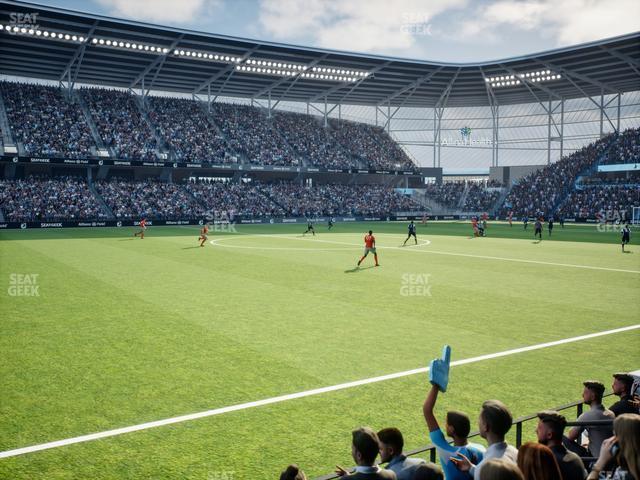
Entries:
{"x":622,"y":383}
{"x":457,"y":426}
{"x":592,"y":396}
{"x":364,"y":450}
{"x":550,"y":431}
{"x":293,"y":472}
{"x":500,"y":469}
{"x":627,"y":436}
{"x":391,"y":445}
{"x":494,"y":422}
{"x":537,"y":462}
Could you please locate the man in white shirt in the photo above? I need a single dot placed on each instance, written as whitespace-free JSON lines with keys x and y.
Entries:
{"x":494,"y":422}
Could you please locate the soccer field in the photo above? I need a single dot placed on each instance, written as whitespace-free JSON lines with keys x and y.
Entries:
{"x":126,"y":331}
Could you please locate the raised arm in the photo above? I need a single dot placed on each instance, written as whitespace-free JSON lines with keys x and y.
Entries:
{"x":427,"y":408}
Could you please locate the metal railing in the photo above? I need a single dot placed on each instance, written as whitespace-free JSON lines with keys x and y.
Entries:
{"x":518,"y":422}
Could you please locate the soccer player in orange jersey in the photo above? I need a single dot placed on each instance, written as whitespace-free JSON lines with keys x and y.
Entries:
{"x":203,"y":235}
{"x":474,"y":224}
{"x":143,"y":227}
{"x":369,"y":247}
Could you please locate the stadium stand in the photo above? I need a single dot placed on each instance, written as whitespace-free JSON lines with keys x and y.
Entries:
{"x":313,"y":142}
{"x":45,"y":123}
{"x":186,"y":129}
{"x":148,"y":199}
{"x":626,"y":148}
{"x":447,"y":194}
{"x":540,"y":192}
{"x":253,"y":135}
{"x":601,"y":201}
{"x":227,"y":200}
{"x":372,"y":144}
{"x":48,"y":199}
{"x":120,"y":123}
{"x":336,"y":199}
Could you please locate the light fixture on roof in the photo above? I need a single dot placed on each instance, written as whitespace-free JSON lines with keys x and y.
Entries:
{"x":65,"y":37}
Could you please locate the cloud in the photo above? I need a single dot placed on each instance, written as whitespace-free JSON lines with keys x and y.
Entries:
{"x":377,"y":26}
{"x":165,"y":11}
{"x":567,"y":22}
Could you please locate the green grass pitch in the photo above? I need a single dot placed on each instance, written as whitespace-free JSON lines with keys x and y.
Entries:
{"x":126,"y":331}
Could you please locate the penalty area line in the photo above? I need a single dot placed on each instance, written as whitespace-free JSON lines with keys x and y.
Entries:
{"x":293,"y":396}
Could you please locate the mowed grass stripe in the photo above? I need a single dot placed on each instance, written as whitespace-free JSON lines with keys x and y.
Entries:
{"x":315,"y":431}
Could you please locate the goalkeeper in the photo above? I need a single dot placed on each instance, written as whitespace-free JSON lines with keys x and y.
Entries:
{"x":457,"y":424}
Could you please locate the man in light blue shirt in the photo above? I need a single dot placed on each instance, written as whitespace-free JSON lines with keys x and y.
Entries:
{"x":457,"y":424}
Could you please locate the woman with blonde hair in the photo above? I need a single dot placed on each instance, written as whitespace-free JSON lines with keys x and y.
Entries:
{"x":537,"y":462}
{"x":624,"y":446}
{"x":500,"y":469}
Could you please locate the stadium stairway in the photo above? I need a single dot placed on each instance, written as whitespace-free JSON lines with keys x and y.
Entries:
{"x":361,"y":164}
{"x":500,"y":201}
{"x":75,"y":96}
{"x":435,"y":208}
{"x":105,"y":208}
{"x":241,"y":157}
{"x":463,"y":197}
{"x":162,"y":146}
{"x":302,"y":161}
{"x":7,"y":137}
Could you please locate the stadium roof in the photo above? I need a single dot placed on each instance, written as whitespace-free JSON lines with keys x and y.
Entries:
{"x":177,"y":60}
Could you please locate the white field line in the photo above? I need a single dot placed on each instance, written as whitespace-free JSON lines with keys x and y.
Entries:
{"x":293,"y":396}
{"x":437,"y":252}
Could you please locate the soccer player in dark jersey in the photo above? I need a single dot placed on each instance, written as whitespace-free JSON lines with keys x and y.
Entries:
{"x":203,"y":235}
{"x":561,"y":221}
{"x":550,"y":226}
{"x":626,"y":235}
{"x":510,"y":218}
{"x":143,"y":227}
{"x":369,"y":247}
{"x":309,"y":228}
{"x":412,"y":233}
{"x":525,"y":221}
{"x":538,"y":230}
{"x":330,"y":223}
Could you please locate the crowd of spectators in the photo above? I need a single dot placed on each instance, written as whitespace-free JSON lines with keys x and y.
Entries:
{"x":372,"y":144}
{"x":447,"y":194}
{"x":187,"y":131}
{"x":541,"y":191}
{"x":338,"y":199}
{"x":480,"y":198}
{"x":36,"y":199}
{"x":626,"y":149}
{"x":120,"y":123}
{"x":50,"y":123}
{"x":252,"y":134}
{"x":601,"y":201}
{"x":311,"y":140}
{"x":226,"y":200}
{"x":45,"y":121}
{"x":613,"y":439}
{"x":133,"y":200}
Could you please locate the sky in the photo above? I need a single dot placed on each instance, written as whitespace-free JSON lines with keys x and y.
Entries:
{"x":439,"y":30}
